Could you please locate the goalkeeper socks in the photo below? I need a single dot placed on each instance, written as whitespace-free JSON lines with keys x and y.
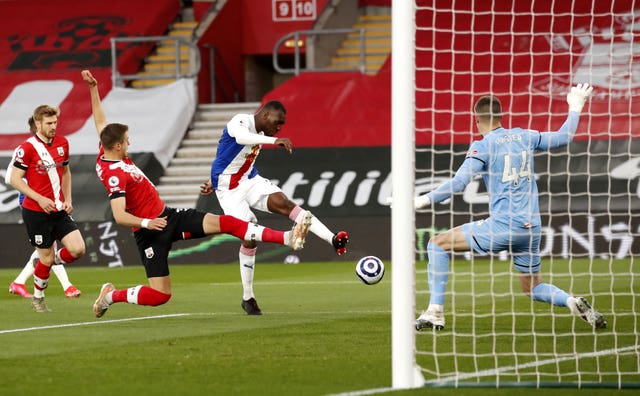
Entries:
{"x":437,"y":273}
{"x":549,"y":294}
{"x":140,"y":295}
{"x":247,"y":265}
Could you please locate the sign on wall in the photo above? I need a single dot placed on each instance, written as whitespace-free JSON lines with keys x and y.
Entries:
{"x":294,"y":10}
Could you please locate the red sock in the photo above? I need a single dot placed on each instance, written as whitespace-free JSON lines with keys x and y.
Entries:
{"x":140,"y":295}
{"x":233,"y":226}
{"x":269,"y":235}
{"x":66,"y":256}
{"x":41,"y":276}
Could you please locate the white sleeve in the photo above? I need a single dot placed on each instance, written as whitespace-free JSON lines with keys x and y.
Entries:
{"x":238,"y":128}
{"x":7,"y":175}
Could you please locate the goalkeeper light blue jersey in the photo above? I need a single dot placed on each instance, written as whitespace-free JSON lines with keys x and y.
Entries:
{"x":504,"y":159}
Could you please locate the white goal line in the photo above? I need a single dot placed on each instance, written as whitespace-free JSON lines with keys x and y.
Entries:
{"x":492,"y":372}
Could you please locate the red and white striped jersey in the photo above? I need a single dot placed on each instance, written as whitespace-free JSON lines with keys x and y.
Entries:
{"x":42,"y":163}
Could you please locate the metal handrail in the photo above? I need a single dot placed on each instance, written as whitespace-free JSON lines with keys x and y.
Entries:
{"x":194,"y":59}
{"x":213,"y":72}
{"x":296,"y":50}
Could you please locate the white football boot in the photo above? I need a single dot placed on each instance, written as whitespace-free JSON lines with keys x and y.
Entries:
{"x":580,"y":306}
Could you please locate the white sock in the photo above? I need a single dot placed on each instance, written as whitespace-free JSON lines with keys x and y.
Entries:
{"x":61,"y":274}
{"x":247,"y":259}
{"x":317,"y":227}
{"x":28,"y":269}
{"x":38,"y":293}
{"x":435,"y":308}
{"x":254,"y":232}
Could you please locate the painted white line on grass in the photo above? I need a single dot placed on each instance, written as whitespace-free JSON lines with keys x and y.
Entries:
{"x":329,"y":282}
{"x":91,"y":323}
{"x":486,"y":373}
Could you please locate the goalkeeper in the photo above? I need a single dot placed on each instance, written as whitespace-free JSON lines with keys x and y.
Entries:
{"x":504,"y":158}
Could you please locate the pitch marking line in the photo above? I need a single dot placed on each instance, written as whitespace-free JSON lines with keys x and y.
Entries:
{"x":60,"y":326}
{"x":485,"y":373}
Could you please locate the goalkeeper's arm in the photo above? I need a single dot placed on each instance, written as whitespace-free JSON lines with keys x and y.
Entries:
{"x":457,"y":184}
{"x":576,"y":99}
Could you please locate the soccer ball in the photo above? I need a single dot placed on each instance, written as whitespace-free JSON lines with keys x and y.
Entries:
{"x":370,"y":270}
{"x":292,"y":259}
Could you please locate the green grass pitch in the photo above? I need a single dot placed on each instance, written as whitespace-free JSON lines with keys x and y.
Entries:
{"x":323,"y":332}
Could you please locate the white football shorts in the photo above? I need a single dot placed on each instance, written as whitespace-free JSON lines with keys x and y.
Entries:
{"x":251,"y":193}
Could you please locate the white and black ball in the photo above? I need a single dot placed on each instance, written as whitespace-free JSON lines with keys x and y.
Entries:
{"x":370,"y":270}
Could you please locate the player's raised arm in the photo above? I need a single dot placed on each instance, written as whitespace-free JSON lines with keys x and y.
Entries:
{"x":99,"y":117}
{"x":576,"y":99}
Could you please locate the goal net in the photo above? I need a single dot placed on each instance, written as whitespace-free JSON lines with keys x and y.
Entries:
{"x":529,"y":54}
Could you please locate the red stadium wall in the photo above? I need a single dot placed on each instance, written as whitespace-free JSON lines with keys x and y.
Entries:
{"x":246,"y":27}
{"x":45,"y":41}
{"x":513,"y":60}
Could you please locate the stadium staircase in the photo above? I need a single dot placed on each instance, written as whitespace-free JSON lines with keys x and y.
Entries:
{"x":191,"y":166}
{"x":163,"y":60}
{"x":377,"y":43}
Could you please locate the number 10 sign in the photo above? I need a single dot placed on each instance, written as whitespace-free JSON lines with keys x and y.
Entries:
{"x":294,"y":10}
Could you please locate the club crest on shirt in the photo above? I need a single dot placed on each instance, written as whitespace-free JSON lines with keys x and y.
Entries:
{"x":60,"y":150}
{"x":148,"y":252}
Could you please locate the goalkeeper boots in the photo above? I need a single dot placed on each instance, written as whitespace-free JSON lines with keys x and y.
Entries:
{"x":430,"y":320}
{"x":101,"y":305}
{"x":251,"y":307}
{"x":340,"y":241}
{"x":581,"y":307}
{"x":300,"y":230}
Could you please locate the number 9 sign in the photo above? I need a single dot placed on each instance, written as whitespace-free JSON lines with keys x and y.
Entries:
{"x":293,"y":10}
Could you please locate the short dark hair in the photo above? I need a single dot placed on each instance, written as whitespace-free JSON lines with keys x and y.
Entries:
{"x":274,"y":105}
{"x":488,"y":108}
{"x":112,"y":134}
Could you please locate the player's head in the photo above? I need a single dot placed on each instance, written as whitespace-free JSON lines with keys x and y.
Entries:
{"x":271,"y":117}
{"x":32,"y":125}
{"x":488,"y":112}
{"x":45,"y":118}
{"x":115,"y":137}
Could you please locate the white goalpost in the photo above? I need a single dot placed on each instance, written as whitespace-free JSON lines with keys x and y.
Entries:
{"x":447,"y":54}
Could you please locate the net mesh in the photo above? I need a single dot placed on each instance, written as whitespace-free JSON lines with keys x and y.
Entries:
{"x":529,"y":54}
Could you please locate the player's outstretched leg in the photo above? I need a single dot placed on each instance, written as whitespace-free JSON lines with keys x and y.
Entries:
{"x":580,"y":306}
{"x":340,"y":241}
{"x":300,"y":230}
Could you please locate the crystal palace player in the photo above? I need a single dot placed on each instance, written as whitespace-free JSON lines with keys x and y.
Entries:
{"x":43,"y":160}
{"x":136,"y":203}
{"x":504,"y":158}
{"x":240,"y":188}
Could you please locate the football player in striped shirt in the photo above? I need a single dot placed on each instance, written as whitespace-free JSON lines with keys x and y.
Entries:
{"x":239,"y":188}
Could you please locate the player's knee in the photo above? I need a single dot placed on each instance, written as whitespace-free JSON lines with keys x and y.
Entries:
{"x":77,"y":250}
